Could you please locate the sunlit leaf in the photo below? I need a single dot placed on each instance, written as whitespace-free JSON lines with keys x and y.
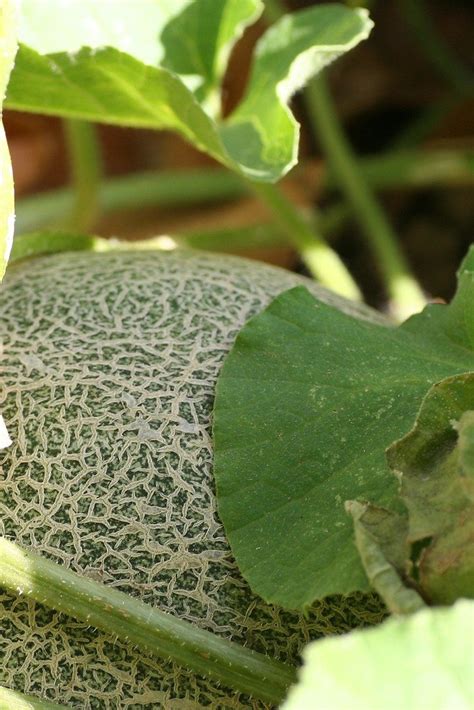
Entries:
{"x":8,"y":45}
{"x":421,"y":661}
{"x":160,"y":64}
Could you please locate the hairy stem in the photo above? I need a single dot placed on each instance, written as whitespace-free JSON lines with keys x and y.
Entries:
{"x":321,"y":260}
{"x":86,"y":173}
{"x":143,"y":626}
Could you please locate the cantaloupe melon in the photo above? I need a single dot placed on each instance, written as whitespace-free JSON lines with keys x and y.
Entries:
{"x":109,"y":368}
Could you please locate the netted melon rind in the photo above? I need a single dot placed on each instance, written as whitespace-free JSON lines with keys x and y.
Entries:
{"x":110,"y":363}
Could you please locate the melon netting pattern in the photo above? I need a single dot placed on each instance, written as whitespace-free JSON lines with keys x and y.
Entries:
{"x":109,"y":368}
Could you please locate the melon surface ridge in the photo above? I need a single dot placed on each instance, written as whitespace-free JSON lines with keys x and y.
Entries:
{"x":109,"y":368}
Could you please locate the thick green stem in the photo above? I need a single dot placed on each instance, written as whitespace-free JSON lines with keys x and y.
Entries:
{"x":403,"y":289}
{"x":151,"y":630}
{"x":11,"y":700}
{"x":320,"y":259}
{"x":258,"y":236}
{"x":86,"y":173}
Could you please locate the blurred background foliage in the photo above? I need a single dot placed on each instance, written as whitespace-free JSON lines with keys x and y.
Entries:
{"x":405,"y":99}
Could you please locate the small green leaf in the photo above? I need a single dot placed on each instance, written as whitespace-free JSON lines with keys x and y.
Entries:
{"x":307,"y":402}
{"x":160,"y":64}
{"x":8,"y":45}
{"x":290,"y":53}
{"x":423,"y":661}
{"x":434,"y":465}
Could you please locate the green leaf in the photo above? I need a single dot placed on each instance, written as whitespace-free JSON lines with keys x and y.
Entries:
{"x":436,"y":471}
{"x":188,"y":38}
{"x":423,"y":661}
{"x":307,"y":402}
{"x":157,"y":64}
{"x":291,"y":52}
{"x":8,"y":45}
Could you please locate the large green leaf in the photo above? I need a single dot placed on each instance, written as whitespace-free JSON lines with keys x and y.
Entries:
{"x":307,"y":402}
{"x":8,"y":44}
{"x":423,"y":661}
{"x":159,"y":64}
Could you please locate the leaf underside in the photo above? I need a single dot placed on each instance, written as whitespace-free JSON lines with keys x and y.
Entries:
{"x":157,"y":64}
{"x":423,"y":661}
{"x":307,"y":402}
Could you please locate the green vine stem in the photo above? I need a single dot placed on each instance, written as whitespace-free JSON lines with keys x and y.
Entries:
{"x":408,"y":169}
{"x":24,"y":572}
{"x":11,"y":700}
{"x":321,"y":260}
{"x":404,"y":169}
{"x":86,"y":172}
{"x":405,"y":293}
{"x":168,"y":188}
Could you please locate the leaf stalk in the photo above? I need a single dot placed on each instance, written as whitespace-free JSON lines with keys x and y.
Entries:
{"x":322,"y":261}
{"x":86,"y":172}
{"x":407,"y":296}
